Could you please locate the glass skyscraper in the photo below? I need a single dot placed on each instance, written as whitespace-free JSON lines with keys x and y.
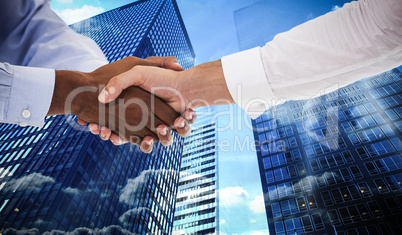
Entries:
{"x":63,"y":178}
{"x":197,"y":206}
{"x":332,"y":164}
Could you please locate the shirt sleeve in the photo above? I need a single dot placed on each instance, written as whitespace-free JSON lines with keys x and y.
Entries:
{"x":33,"y":43}
{"x":25,"y":94}
{"x":361,"y":39}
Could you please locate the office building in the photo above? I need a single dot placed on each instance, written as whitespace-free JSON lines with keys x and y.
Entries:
{"x":197,"y":206}
{"x":62,"y":178}
{"x":332,"y":164}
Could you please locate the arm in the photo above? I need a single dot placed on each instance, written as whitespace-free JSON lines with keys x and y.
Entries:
{"x":361,"y":39}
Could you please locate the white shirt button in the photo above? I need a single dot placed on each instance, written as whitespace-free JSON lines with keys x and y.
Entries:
{"x":23,"y":124}
{"x":26,"y":114}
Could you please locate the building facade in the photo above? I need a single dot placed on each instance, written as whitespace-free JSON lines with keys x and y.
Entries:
{"x":197,"y":206}
{"x":62,"y":178}
{"x":332,"y":164}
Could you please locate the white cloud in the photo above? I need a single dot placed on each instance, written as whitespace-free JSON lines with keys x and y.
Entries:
{"x":222,"y":221}
{"x":336,"y":7}
{"x":70,"y":190}
{"x":257,"y":205}
{"x":65,"y":1}
{"x":33,"y":181}
{"x":253,"y":221}
{"x":232,"y":195}
{"x":127,"y":216}
{"x":74,"y":15}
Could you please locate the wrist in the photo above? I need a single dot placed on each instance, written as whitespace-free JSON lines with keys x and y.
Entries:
{"x":205,"y":85}
{"x":67,"y":98}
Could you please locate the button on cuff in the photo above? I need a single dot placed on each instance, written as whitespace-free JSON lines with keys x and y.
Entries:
{"x":26,"y":113}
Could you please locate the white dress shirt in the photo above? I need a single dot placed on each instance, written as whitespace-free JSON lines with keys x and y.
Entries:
{"x":33,"y":42}
{"x":361,"y":39}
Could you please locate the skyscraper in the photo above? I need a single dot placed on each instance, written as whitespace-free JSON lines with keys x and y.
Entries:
{"x":332,"y":164}
{"x":61,"y":177}
{"x":197,"y":206}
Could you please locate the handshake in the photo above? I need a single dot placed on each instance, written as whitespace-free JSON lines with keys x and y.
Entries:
{"x":139,"y":100}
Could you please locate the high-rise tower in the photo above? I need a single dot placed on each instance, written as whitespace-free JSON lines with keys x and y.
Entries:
{"x":62,"y":177}
{"x":332,"y":164}
{"x":197,"y":206}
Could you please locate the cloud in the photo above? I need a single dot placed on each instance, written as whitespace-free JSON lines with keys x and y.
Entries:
{"x":65,"y":1}
{"x":75,"y":15}
{"x":222,"y":221}
{"x":126,"y":217}
{"x":334,"y":8}
{"x":12,"y":231}
{"x":127,"y":194}
{"x":33,"y":181}
{"x":232,"y":195}
{"x":70,"y":190}
{"x":257,"y":205}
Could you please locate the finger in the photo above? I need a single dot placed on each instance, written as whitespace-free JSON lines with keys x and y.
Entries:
{"x":81,"y":122}
{"x":168,"y":62}
{"x":94,"y":128}
{"x":120,"y":82}
{"x":116,"y":140}
{"x":165,"y":137}
{"x":190,"y":115}
{"x":182,"y":127}
{"x":147,"y":144}
{"x":105,"y":133}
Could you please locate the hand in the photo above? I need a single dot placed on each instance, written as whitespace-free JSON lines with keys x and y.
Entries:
{"x":165,"y":137}
{"x":85,"y":105}
{"x":200,"y":86}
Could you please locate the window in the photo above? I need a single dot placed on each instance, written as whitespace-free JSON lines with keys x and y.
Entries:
{"x":301,"y":203}
{"x":267,"y":162}
{"x":381,"y":186}
{"x":334,"y":218}
{"x":375,"y":209}
{"x":294,"y":226}
{"x":327,"y":198}
{"x":393,"y":205}
{"x":317,"y":220}
{"x":356,"y":172}
{"x":279,"y":229}
{"x":314,"y":165}
{"x":308,"y":227}
{"x":312,"y":204}
{"x":365,"y":189}
{"x":276,"y":210}
{"x":320,"y":181}
{"x":269,"y":177}
{"x":272,"y":192}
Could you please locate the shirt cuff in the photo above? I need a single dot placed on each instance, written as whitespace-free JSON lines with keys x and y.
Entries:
{"x":247,"y":82}
{"x":30,"y":96}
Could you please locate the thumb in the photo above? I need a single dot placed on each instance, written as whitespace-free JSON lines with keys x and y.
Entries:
{"x":117,"y":84}
{"x":168,"y":62}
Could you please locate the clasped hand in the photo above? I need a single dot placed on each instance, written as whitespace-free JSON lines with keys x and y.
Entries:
{"x":135,"y":116}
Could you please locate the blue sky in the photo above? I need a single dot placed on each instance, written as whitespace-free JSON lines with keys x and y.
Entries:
{"x":211,"y":28}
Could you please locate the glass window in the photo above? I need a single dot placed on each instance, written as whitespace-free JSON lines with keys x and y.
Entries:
{"x":272,"y":192}
{"x":279,"y":228}
{"x":317,"y":220}
{"x":326,"y":197}
{"x":267,"y":162}
{"x":269,"y":176}
{"x":276,"y":210}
